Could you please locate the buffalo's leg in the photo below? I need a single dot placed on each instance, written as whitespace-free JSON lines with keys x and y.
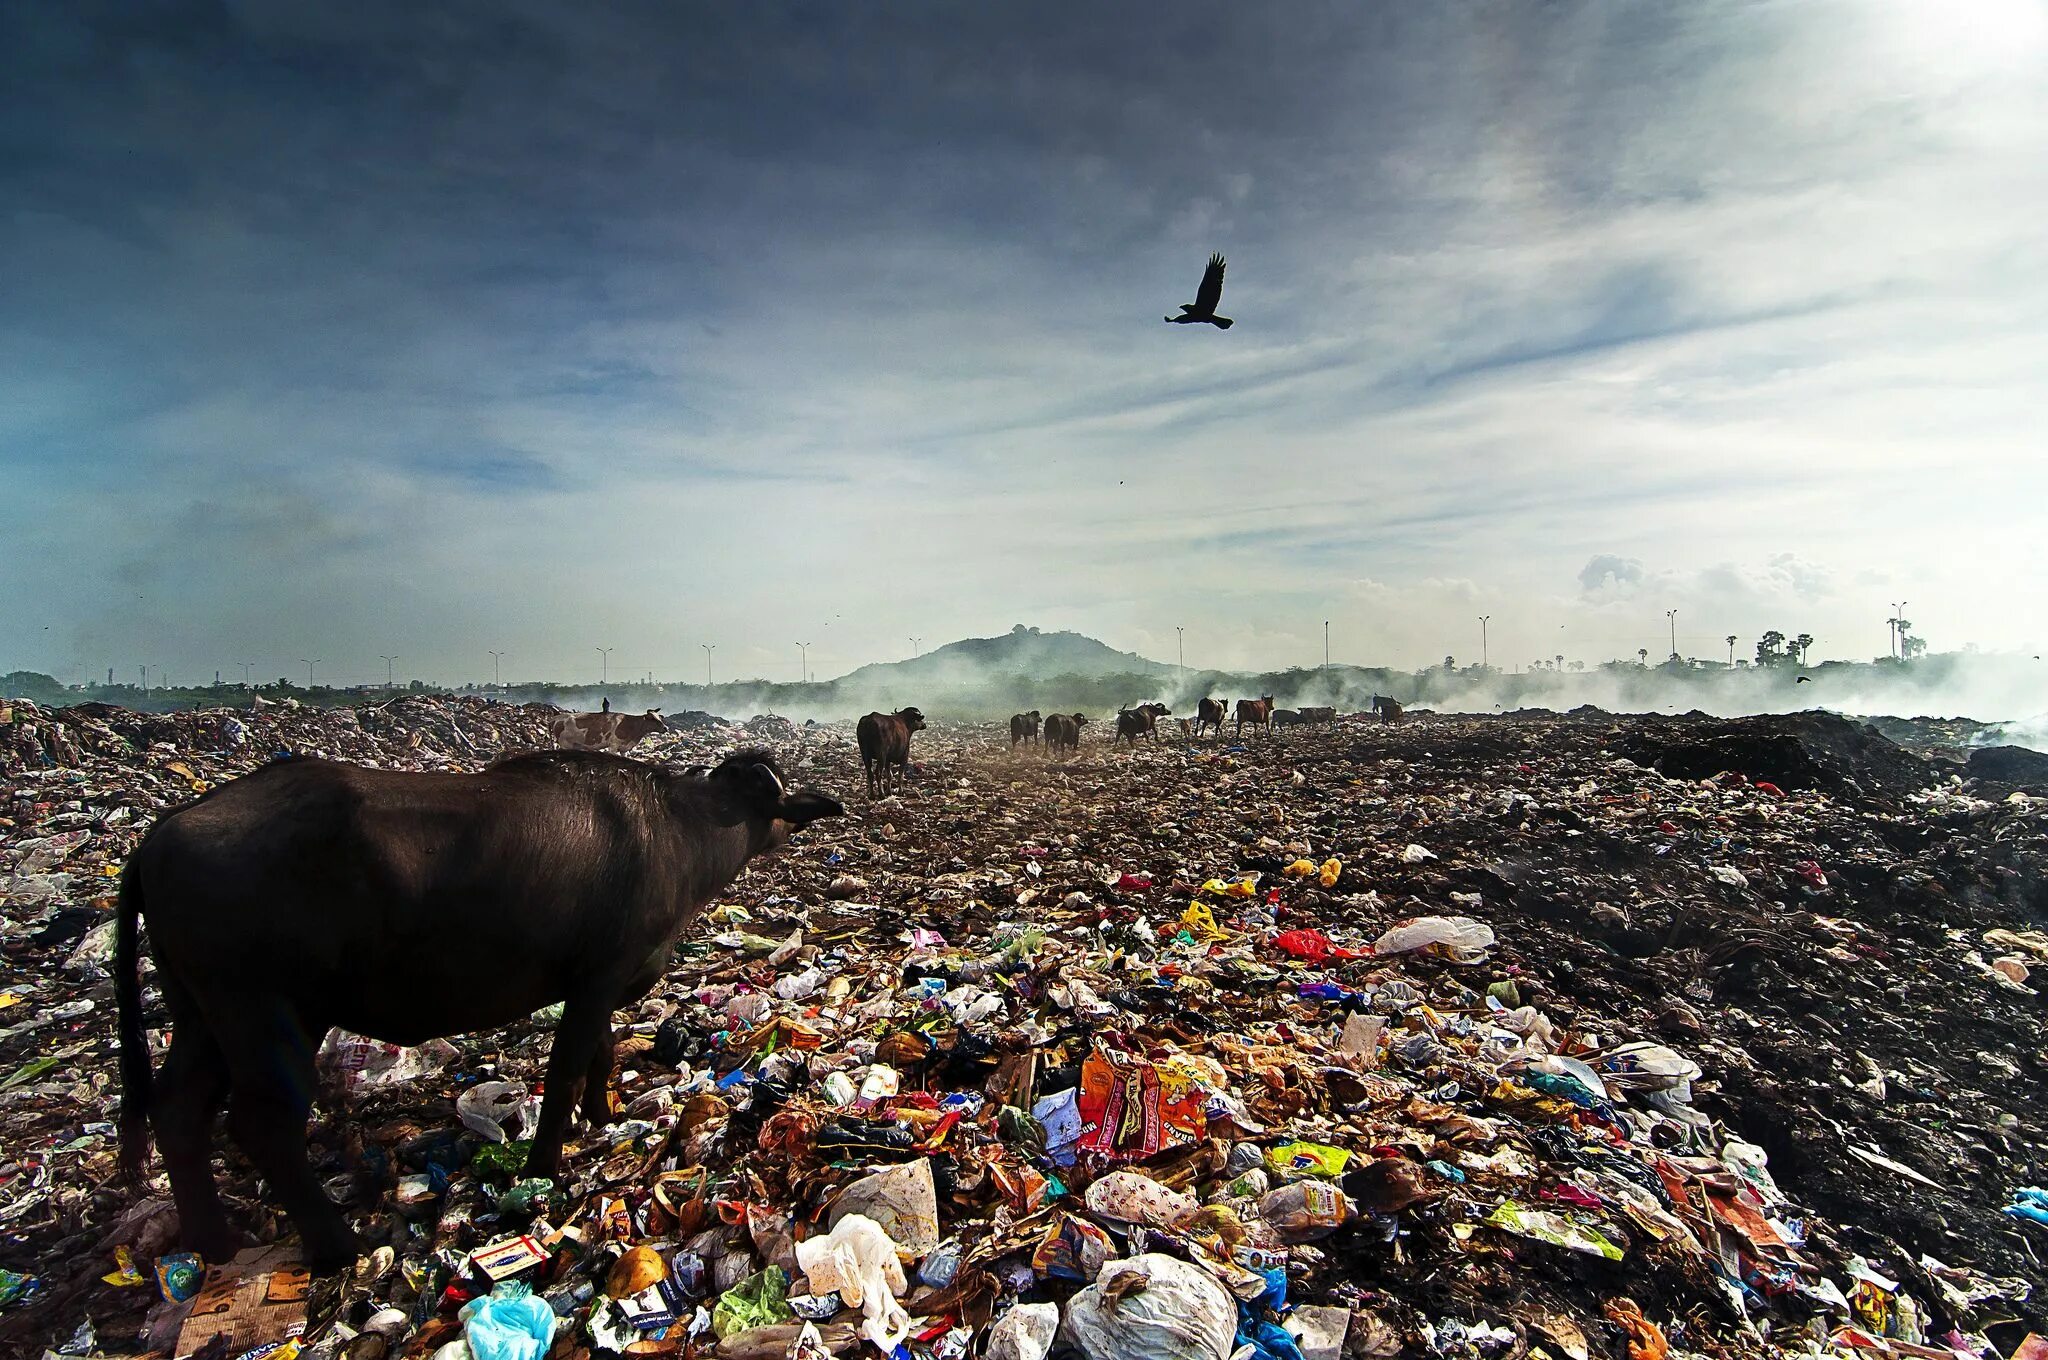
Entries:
{"x":189,"y":1091}
{"x":270,"y":1066}
{"x":584,"y":1025}
{"x":597,"y":1084}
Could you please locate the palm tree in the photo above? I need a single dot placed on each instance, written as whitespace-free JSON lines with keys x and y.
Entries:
{"x":1770,"y":648}
{"x":1802,"y":642}
{"x":1642,"y":656}
{"x":1731,"y":651}
{"x":1560,"y":661}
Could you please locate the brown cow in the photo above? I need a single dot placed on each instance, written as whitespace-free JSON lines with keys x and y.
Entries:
{"x":1024,"y":728}
{"x":312,"y":894}
{"x":606,"y":731}
{"x":1142,"y":721}
{"x":1210,"y":713}
{"x":885,"y":746}
{"x":1063,"y":732}
{"x":1257,"y":712}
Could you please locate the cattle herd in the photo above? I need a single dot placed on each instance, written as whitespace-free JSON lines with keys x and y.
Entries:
{"x":311,"y":894}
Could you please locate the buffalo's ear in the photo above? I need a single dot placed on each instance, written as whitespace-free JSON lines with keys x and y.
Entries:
{"x":801,"y":809}
{"x":752,"y":785}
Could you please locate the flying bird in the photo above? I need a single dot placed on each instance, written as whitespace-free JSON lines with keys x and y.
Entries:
{"x":1203,"y":308}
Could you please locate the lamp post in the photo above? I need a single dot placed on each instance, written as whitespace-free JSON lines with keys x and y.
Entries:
{"x":1180,"y":647}
{"x":248,"y":667}
{"x":1482,"y":640}
{"x":709,"y":648}
{"x":803,"y":652}
{"x":387,"y":660}
{"x":913,"y":645}
{"x":604,"y":663}
{"x":1672,"y":615}
{"x":496,"y":657}
{"x":1326,"y":646}
{"x":1898,"y":612}
{"x":311,"y":662}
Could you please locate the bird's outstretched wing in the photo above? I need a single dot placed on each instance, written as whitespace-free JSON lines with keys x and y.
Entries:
{"x":1211,"y":291}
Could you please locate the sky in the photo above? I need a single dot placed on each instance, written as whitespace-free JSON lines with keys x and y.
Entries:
{"x":337,"y":332}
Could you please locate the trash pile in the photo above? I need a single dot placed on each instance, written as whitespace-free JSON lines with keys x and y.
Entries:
{"x":1467,"y":1038}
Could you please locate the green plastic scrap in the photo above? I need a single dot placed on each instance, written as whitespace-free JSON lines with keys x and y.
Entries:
{"x":760,"y":1300}
{"x":14,"y":1287}
{"x":1556,"y":1229}
{"x":28,"y":1071}
{"x":495,"y":1160}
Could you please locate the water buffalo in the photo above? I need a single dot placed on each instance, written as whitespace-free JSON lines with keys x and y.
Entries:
{"x":408,"y":906}
{"x":1210,"y":713}
{"x":1142,"y":721}
{"x":885,"y":746}
{"x":1063,"y":732}
{"x":1024,"y":728}
{"x":1388,"y":709}
{"x":1257,"y":712}
{"x":1319,"y":715}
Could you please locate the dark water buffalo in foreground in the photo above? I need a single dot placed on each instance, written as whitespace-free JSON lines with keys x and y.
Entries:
{"x":1257,"y":712}
{"x":1210,"y":713}
{"x":1024,"y":727}
{"x":408,"y":906}
{"x":1063,"y":732}
{"x":885,"y":746}
{"x":1142,"y":721}
{"x":1388,"y":709}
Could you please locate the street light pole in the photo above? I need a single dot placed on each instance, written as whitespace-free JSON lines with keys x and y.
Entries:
{"x":803,"y":652}
{"x":496,"y":657}
{"x":247,"y":668}
{"x":387,"y":660}
{"x":1180,"y":645}
{"x":1672,"y":615}
{"x":1482,"y":640}
{"x":1326,"y":646}
{"x":709,"y":648}
{"x":913,"y":645}
{"x":310,"y":663}
{"x":604,"y":663}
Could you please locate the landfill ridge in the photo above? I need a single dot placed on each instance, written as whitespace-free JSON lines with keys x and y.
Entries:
{"x":1530,"y":1035}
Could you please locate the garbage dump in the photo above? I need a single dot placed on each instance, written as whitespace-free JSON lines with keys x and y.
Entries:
{"x":1461,"y":1038}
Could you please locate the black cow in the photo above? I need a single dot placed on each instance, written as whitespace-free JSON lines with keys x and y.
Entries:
{"x":1063,"y":732}
{"x":408,"y":906}
{"x":1024,"y":728}
{"x":1210,"y":713}
{"x":1319,"y":715}
{"x":1142,"y":721}
{"x":885,"y":746}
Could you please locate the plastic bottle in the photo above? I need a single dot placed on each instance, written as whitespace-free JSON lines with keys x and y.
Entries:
{"x":1305,"y":1210}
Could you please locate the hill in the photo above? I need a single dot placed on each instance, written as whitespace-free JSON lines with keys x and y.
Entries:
{"x":1020,"y":653}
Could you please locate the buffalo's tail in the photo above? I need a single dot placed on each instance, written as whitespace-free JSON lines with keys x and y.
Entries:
{"x":135,"y":1073}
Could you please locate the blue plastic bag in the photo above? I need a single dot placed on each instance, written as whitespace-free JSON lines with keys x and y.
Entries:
{"x":509,"y":1323}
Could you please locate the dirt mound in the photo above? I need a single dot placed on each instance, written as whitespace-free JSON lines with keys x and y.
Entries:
{"x":2009,"y":765}
{"x":1813,"y":750}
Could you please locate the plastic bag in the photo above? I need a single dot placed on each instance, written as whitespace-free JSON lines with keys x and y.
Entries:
{"x":1132,"y":1109}
{"x":1305,"y":1210}
{"x":1132,"y":1197}
{"x":1060,"y":1115}
{"x":1457,"y":938}
{"x":1308,"y":1159}
{"x":488,"y":1106}
{"x":1555,"y":1229}
{"x":512,"y":1325}
{"x":858,"y":1261}
{"x":902,"y":1201}
{"x":757,"y":1301}
{"x":360,"y":1064}
{"x":1025,"y":1332}
{"x":1180,"y":1314}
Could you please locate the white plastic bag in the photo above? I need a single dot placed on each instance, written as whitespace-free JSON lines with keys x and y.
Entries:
{"x":1024,"y":1333}
{"x":489,"y":1106}
{"x":1457,"y":938}
{"x":1133,"y":1197}
{"x":902,"y":1200}
{"x":1180,"y":1314}
{"x":858,"y":1261}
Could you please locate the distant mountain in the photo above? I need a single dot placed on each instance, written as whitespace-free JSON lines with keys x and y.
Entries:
{"x":1022,"y":651}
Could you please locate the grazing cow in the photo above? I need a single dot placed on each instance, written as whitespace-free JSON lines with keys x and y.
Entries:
{"x":312,"y":894}
{"x":1210,"y":713}
{"x":1388,"y":709}
{"x":885,"y":746}
{"x":1257,"y":712}
{"x":1319,"y":715}
{"x":1287,"y":717}
{"x":1063,"y":732}
{"x":605,"y":731}
{"x":1024,"y":728}
{"x":1142,"y":721}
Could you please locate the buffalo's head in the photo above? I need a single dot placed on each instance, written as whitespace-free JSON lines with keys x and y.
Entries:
{"x":912,"y":719}
{"x":751,"y":791}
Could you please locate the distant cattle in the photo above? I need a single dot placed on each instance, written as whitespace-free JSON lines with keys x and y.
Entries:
{"x":1388,"y":709}
{"x":1287,"y":717}
{"x":1142,"y":721}
{"x":1210,"y":713}
{"x":1024,"y":728}
{"x":605,"y":731}
{"x":1257,"y":712}
{"x":1319,"y":715}
{"x":312,"y":894}
{"x":885,"y":746}
{"x":1063,"y":732}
